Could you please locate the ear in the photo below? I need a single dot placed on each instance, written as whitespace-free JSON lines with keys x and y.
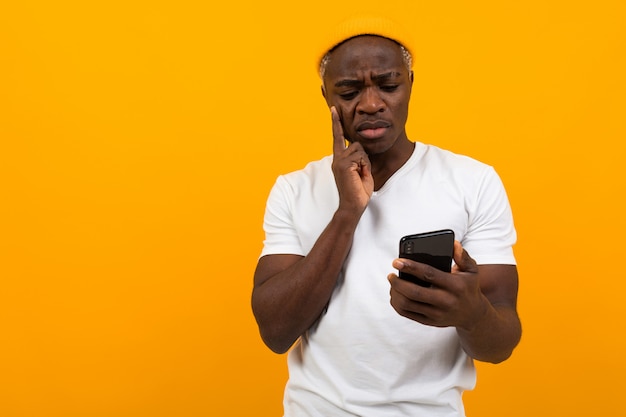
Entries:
{"x":411,"y":76}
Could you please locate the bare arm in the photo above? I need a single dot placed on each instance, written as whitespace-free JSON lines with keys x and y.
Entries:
{"x":480,"y":301}
{"x":290,"y":292}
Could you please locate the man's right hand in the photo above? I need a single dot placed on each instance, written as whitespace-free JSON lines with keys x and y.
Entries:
{"x":351,"y":168}
{"x":291,"y":292}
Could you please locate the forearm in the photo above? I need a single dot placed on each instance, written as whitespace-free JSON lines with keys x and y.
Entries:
{"x":493,"y":337}
{"x":287,"y":303}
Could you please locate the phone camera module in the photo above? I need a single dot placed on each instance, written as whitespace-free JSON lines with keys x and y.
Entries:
{"x":409,"y":247}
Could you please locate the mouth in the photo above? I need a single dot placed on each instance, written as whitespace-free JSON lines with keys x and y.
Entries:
{"x":373,"y":130}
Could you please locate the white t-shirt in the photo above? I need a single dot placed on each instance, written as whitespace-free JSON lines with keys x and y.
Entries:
{"x":361,"y":357}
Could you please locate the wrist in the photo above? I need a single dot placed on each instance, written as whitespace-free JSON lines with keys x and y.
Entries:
{"x":348,"y":215}
{"x":480,"y":316}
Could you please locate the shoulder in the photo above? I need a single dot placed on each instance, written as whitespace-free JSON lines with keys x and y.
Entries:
{"x":436,"y":156}
{"x":314,"y":172}
{"x":313,"y":168}
{"x":314,"y":180}
{"x":444,"y":165}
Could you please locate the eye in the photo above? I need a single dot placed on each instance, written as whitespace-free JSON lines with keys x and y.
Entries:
{"x":348,"y":95}
{"x":389,"y":88}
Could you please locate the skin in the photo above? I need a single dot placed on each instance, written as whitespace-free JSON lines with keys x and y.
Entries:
{"x":367,"y":88}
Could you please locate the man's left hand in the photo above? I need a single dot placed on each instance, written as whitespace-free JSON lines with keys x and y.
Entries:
{"x":453,"y":299}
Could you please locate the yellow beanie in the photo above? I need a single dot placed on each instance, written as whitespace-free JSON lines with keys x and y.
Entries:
{"x":364,"y":25}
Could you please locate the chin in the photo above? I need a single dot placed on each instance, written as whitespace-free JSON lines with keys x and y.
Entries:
{"x":376,"y":147}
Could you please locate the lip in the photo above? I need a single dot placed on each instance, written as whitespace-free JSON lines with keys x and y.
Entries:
{"x":373,"y":130}
{"x":378,"y":124}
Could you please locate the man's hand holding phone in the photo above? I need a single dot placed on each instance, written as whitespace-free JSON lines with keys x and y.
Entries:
{"x":453,"y":298}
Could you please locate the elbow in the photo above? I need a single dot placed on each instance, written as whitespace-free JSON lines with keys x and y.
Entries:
{"x":496,"y":358}
{"x":278,"y":333}
{"x":276,"y":346}
{"x":490,"y":356}
{"x":499,"y":354}
{"x":274,"y":334}
{"x":275,"y":340}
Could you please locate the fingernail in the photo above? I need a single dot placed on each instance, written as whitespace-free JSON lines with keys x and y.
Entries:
{"x":398,"y":264}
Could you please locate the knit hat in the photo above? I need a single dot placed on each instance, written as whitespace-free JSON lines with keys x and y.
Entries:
{"x":364,"y":25}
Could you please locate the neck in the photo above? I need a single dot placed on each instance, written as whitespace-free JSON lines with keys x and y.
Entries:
{"x":385,"y":164}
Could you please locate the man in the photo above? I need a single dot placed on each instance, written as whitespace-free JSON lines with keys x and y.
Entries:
{"x":368,"y":343}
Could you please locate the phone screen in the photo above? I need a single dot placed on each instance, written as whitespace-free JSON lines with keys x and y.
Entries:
{"x":433,"y":248}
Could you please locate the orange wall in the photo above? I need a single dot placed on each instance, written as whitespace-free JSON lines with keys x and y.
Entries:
{"x":138,"y":141}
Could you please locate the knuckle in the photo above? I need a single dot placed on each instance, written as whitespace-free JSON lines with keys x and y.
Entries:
{"x":429,"y":272}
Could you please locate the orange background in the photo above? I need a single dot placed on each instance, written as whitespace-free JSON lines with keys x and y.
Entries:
{"x":139,"y":140}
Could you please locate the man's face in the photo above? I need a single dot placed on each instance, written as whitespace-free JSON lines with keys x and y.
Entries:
{"x":368,"y":82}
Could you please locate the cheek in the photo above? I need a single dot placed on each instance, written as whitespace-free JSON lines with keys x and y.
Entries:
{"x":345,"y":114}
{"x":345,"y":110}
{"x":401,"y":109}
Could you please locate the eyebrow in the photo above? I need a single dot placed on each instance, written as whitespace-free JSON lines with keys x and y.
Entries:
{"x":377,"y":77}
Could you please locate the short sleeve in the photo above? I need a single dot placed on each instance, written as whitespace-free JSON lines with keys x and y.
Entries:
{"x":281,"y":236}
{"x":491,"y":233}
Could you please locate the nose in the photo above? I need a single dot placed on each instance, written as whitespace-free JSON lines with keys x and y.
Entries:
{"x":370,"y":102}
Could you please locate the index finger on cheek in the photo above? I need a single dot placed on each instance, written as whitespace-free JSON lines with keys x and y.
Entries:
{"x":339,"y":141}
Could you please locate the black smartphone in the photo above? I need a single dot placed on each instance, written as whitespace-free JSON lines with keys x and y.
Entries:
{"x":433,"y":248}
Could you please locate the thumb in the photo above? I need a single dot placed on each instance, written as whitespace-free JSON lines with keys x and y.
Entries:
{"x":464,"y":262}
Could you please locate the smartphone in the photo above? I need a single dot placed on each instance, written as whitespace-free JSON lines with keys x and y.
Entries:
{"x":433,"y":248}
